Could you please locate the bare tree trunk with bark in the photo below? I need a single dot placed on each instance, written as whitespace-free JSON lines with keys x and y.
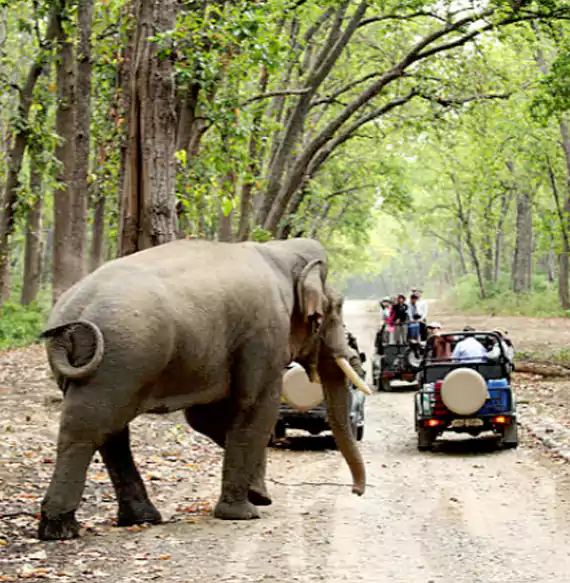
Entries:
{"x":64,"y":259}
{"x":522,"y":261}
{"x":465,"y":223}
{"x":148,"y":213}
{"x":565,"y":220}
{"x":488,"y":243}
{"x":97,"y":256}
{"x":500,"y":233}
{"x":34,"y":243}
{"x":80,"y":190}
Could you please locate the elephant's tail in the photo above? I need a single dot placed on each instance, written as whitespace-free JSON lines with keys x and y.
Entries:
{"x":75,"y":349}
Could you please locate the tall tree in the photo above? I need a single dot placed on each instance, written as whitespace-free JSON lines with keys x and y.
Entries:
{"x":80,"y":186}
{"x":64,"y":261}
{"x":148,"y":205}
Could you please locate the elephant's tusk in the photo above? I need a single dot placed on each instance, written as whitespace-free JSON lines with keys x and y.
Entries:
{"x":352,"y":375}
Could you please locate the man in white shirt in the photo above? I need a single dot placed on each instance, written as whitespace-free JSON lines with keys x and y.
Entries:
{"x":422,"y":311}
{"x":469,"y":349}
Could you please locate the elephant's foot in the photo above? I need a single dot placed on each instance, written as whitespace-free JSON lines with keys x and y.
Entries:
{"x":138,"y":512}
{"x":258,"y":497}
{"x":236,"y":510}
{"x":62,"y":527}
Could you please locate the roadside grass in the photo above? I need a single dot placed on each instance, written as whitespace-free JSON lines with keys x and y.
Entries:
{"x":21,"y":325}
{"x":558,"y":356}
{"x":542,"y":302}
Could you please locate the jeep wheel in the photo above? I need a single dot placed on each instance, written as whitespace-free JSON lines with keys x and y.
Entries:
{"x":425,"y":439}
{"x":510,"y":438}
{"x":360,"y":433}
{"x":384,"y":385}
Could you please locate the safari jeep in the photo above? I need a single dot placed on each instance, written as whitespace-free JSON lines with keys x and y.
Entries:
{"x":466,"y":397}
{"x":303,"y":405}
{"x":395,"y":362}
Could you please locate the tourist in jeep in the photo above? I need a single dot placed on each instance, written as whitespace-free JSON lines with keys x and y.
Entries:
{"x":399,"y":318}
{"x":469,"y":349}
{"x":437,"y":347}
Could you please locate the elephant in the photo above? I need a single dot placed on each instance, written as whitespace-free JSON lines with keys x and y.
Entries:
{"x":203,"y":327}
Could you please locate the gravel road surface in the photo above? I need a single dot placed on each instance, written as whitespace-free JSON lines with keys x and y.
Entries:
{"x":467,"y":512}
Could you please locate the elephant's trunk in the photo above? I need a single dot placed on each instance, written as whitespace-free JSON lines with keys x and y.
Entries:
{"x":338,"y":398}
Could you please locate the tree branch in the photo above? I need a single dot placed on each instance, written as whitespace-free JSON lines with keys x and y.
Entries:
{"x":273,"y":94}
{"x":463,"y":100}
{"x":333,"y":97}
{"x":347,"y":190}
{"x":385,"y":17}
{"x":349,"y":132}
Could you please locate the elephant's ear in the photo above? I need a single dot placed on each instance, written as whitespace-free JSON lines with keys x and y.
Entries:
{"x":310,"y":293}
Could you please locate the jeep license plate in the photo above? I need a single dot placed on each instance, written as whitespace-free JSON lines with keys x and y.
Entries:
{"x":466,"y":423}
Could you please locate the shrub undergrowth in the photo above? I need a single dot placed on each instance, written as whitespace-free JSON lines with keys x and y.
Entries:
{"x":21,"y":325}
{"x":541,"y":302}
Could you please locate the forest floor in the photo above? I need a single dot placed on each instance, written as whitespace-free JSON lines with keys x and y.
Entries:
{"x":467,"y":512}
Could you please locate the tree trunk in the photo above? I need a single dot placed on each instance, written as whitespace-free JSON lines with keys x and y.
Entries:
{"x":522,"y":260}
{"x":551,"y":265}
{"x":475,"y":260}
{"x":98,"y":239}
{"x":124,"y":96}
{"x":500,"y":234}
{"x":80,"y":190}
{"x":148,"y":213}
{"x":254,"y":165}
{"x":565,"y":223}
{"x":34,"y":244}
{"x":64,"y":259}
{"x":488,"y":243}
{"x":18,"y":148}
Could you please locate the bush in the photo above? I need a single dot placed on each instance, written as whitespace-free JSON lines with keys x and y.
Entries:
{"x":20,"y":325}
{"x":541,"y":302}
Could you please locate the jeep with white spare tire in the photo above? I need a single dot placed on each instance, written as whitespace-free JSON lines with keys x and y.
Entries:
{"x":303,"y":404}
{"x":471,"y":396}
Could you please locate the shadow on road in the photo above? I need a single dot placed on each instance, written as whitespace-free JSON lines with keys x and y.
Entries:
{"x":307,"y":443}
{"x":467,"y":446}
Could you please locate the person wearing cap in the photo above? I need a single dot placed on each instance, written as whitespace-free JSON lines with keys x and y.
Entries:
{"x":469,"y":349}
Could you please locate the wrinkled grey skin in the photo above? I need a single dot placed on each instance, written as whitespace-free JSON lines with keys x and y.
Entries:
{"x":203,"y":327}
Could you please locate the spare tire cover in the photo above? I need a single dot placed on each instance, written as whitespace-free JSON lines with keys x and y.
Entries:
{"x":413,"y":360}
{"x":464,"y":391}
{"x":299,"y":391}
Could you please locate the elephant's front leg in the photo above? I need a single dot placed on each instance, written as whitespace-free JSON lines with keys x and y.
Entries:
{"x":214,"y":421}
{"x":245,"y":457}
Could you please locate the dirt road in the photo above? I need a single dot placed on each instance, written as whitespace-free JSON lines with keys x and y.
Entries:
{"x":465,"y":513}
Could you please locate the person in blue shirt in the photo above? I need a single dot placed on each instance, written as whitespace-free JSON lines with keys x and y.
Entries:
{"x":469,"y":349}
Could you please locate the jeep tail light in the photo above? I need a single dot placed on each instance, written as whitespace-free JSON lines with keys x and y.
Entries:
{"x":433,"y":422}
{"x":501,"y":420}
{"x":438,"y":385}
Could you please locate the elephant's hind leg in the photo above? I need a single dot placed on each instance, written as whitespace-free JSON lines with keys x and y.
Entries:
{"x":214,"y":420}
{"x":76,"y":444}
{"x":135,"y":506}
